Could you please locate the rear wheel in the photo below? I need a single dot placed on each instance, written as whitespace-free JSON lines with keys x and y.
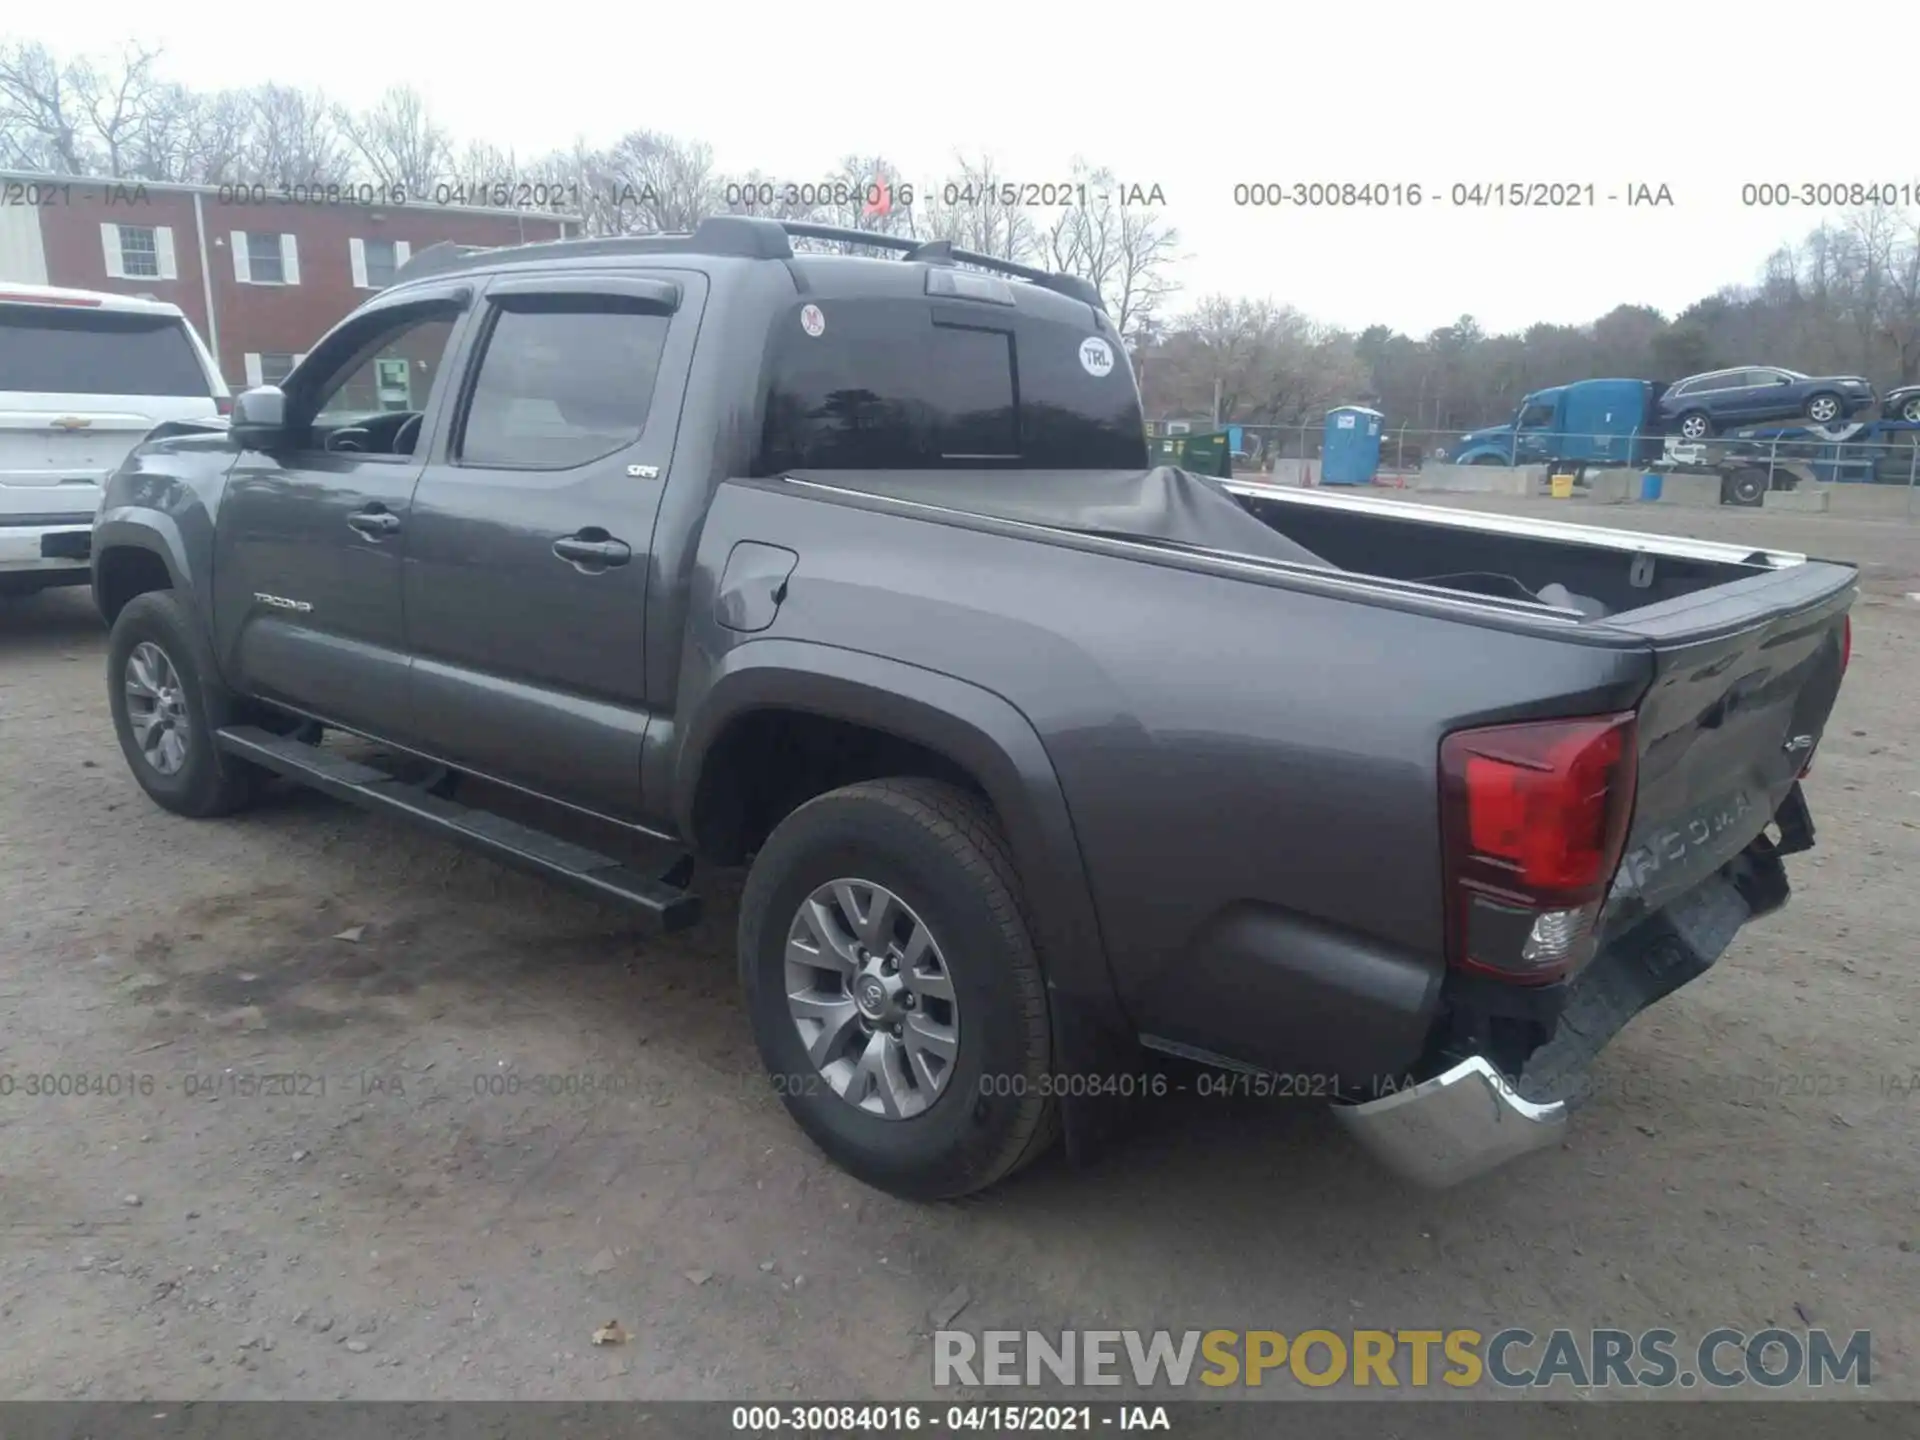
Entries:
{"x":167,"y":702}
{"x":1745,"y":487}
{"x":1910,"y":409}
{"x":1696,"y":425}
{"x":893,"y":987}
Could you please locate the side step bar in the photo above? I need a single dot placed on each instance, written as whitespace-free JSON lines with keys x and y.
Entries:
{"x":661,"y":898}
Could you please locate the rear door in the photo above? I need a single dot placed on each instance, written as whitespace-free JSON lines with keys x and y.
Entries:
{"x":532,"y":529}
{"x":80,"y":385}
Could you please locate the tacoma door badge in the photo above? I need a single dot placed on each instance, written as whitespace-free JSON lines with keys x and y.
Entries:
{"x":280,"y":602}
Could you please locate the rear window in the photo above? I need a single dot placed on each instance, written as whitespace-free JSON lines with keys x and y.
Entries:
{"x":97,"y":352}
{"x":908,"y":384}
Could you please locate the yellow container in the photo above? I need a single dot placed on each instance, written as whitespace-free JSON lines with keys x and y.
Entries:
{"x":1561,"y":487}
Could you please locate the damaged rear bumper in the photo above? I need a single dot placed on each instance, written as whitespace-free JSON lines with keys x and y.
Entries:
{"x":1454,"y":1126}
{"x":1472,"y":1118}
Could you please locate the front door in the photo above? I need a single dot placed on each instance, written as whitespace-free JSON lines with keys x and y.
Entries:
{"x":307,"y":565}
{"x":531,"y":533}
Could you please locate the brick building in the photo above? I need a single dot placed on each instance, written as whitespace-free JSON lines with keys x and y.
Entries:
{"x":261,"y":281}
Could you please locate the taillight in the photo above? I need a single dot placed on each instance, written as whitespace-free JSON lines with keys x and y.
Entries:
{"x":1534,"y":818}
{"x":224,"y":404}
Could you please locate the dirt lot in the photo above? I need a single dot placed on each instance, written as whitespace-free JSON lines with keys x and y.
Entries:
{"x":403,"y":1215}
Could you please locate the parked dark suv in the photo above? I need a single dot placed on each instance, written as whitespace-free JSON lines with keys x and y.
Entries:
{"x":1701,"y":405}
{"x":1902,"y":404}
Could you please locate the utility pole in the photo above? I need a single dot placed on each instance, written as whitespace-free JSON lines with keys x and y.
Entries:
{"x":1216,"y":402}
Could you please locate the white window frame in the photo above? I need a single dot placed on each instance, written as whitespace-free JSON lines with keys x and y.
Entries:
{"x":113,"y":251}
{"x":254,"y":361}
{"x":243,"y":260}
{"x":357,"y":258}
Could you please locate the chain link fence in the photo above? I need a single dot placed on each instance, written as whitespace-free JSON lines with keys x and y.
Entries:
{"x":1749,"y":465}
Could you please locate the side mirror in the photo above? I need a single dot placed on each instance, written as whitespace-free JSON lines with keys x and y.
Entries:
{"x":259,"y":416}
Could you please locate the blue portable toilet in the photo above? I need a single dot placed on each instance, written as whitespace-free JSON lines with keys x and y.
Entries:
{"x":1350,"y":450}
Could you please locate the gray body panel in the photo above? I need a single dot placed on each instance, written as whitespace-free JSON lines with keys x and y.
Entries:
{"x":1217,"y":772}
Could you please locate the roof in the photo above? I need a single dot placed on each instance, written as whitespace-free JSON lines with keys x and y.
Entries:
{"x":90,"y":299}
{"x":178,"y":187}
{"x":747,"y":238}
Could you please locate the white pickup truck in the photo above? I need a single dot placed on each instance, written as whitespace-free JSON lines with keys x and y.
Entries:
{"x":84,"y":376}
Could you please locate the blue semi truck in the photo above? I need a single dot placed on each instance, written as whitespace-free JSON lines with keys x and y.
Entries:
{"x":1591,"y":424}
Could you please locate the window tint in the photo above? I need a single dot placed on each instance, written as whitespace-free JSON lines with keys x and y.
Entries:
{"x":1535,"y":416}
{"x":564,"y":380}
{"x":1683,"y":387}
{"x":1763,"y":377}
{"x":1726,"y":380}
{"x":266,"y":264}
{"x":907,"y":384}
{"x":97,"y":352}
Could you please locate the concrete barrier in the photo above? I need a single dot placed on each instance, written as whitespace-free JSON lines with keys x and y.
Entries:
{"x":1695,"y":490}
{"x":1482,"y":479}
{"x":1807,"y":500}
{"x":1613,"y":487}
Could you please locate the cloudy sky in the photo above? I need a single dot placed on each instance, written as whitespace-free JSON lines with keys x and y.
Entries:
{"x":1194,"y":98}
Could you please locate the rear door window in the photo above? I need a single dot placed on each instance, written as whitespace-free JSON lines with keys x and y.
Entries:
{"x":97,"y":352}
{"x":916,"y":384}
{"x":565,"y":379}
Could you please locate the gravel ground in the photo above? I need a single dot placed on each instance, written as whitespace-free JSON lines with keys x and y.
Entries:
{"x":314,"y":1159}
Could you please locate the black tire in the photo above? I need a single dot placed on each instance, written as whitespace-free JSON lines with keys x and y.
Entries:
{"x":1744,"y":487}
{"x":1910,"y":409}
{"x":940,"y":851}
{"x":209,"y":782}
{"x":1695,"y":425}
{"x":1824,"y":400}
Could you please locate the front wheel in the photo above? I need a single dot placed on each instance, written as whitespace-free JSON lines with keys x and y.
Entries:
{"x":166,"y":703}
{"x":1825,"y":409}
{"x":894,"y":991}
{"x":1910,"y":410}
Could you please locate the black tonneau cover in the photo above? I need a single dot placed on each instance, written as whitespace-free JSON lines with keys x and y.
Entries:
{"x":1164,"y":503}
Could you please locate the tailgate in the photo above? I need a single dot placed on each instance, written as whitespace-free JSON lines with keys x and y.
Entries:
{"x":1745,"y":677}
{"x":45,"y":448}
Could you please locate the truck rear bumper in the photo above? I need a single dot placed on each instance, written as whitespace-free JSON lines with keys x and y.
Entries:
{"x":1471,"y":1118}
{"x":1453,"y":1127}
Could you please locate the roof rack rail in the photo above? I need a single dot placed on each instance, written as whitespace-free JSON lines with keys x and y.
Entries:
{"x":747,"y":236}
{"x":751,"y":237}
{"x":1072,"y":286}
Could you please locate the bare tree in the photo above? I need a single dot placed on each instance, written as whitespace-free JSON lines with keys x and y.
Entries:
{"x":1125,"y":248}
{"x":294,"y":138}
{"x":185,"y":137}
{"x":975,"y":208}
{"x":116,"y":102}
{"x":42,"y":112}
{"x":398,"y":142}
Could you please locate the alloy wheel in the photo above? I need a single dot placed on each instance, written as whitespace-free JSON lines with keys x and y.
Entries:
{"x":157,"y":708}
{"x":872,"y":999}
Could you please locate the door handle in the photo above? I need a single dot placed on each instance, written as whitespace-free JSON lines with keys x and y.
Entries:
{"x":374,"y":523}
{"x":592,"y":548}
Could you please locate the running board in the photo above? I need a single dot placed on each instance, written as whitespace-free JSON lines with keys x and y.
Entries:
{"x":661,"y":897}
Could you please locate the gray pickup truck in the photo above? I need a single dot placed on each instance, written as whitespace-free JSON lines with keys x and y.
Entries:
{"x":851,"y":568}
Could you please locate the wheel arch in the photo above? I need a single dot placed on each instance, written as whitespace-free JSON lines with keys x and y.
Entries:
{"x":986,"y":740}
{"x":132,"y":557}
